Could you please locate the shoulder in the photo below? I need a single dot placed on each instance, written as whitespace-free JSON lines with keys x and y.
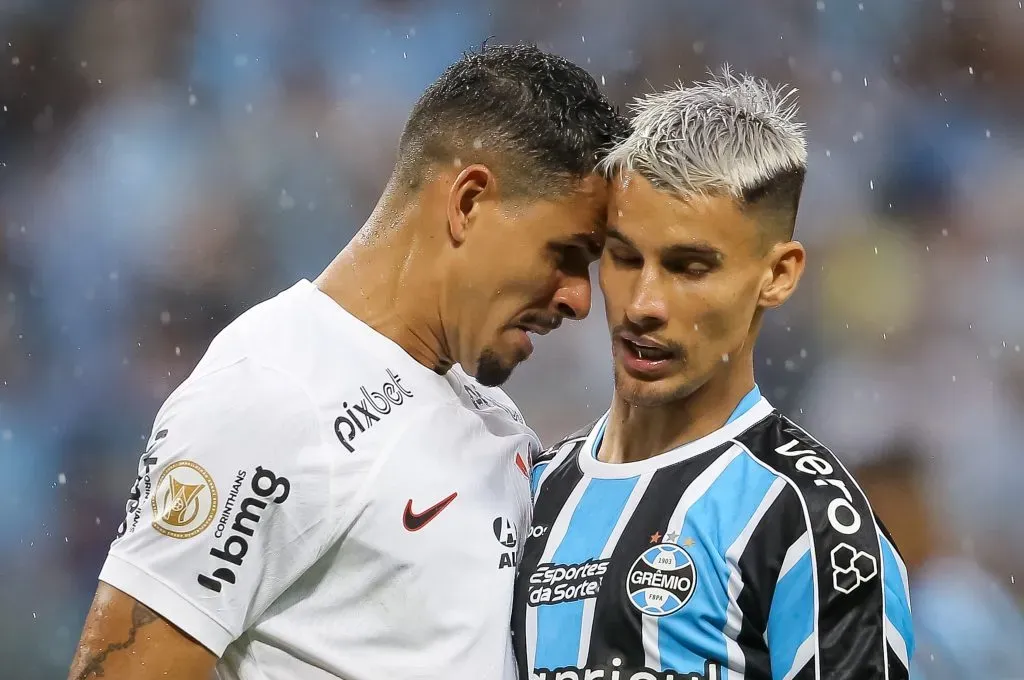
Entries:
{"x":241,"y":400}
{"x":564,"y":445}
{"x":816,"y":474}
{"x":840,"y":527}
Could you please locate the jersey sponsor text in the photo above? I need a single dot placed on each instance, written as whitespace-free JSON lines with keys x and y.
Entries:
{"x":265,"y":484}
{"x":364,"y":414}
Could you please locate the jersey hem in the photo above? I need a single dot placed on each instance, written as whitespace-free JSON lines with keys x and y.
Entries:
{"x":161,"y":598}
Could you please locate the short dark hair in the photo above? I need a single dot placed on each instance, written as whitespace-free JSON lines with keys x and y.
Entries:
{"x":537,"y":119}
{"x":776,"y":200}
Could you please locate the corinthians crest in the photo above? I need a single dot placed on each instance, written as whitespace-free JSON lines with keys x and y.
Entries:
{"x":185,"y":500}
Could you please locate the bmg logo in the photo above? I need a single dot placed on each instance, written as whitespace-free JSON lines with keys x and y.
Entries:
{"x":851,"y":567}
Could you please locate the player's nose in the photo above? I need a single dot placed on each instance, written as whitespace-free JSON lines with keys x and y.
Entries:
{"x":647,"y":304}
{"x":572,"y":299}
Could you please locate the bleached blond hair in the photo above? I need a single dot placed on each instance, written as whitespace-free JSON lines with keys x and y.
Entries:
{"x":728,"y":135}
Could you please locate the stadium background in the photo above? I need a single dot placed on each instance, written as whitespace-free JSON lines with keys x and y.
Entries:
{"x":165,"y":165}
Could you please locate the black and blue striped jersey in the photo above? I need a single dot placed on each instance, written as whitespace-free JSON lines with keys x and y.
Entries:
{"x":750,"y":553}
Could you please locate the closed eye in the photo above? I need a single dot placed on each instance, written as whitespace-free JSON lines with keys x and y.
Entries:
{"x":573,"y":259}
{"x":624,"y":257}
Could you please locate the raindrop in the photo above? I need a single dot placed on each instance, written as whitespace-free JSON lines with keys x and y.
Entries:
{"x":15,"y":60}
{"x":192,"y":99}
{"x":871,"y":184}
{"x":821,"y":5}
{"x":988,"y":134}
{"x":725,"y":358}
{"x":478,"y":143}
{"x":285,"y":201}
{"x":165,"y":317}
{"x":62,"y":479}
{"x":837,"y":77}
{"x":858,"y":136}
{"x":177,"y":351}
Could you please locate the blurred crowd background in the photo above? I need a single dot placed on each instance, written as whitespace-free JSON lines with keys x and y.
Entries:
{"x":166,"y":165}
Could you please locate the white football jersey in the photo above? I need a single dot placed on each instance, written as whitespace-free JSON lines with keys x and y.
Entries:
{"x":314,"y":503}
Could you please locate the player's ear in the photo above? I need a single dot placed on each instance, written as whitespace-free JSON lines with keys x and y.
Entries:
{"x":473,"y":184}
{"x":786,"y":266}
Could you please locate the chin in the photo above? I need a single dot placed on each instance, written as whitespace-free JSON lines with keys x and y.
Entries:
{"x":647,"y":394}
{"x":493,"y":370}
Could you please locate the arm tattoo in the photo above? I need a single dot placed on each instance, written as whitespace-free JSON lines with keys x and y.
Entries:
{"x":141,"y":615}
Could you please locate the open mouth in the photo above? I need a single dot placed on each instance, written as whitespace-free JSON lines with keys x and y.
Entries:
{"x":643,"y":351}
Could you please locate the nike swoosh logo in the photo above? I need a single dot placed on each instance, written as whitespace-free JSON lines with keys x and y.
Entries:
{"x":414,"y":521}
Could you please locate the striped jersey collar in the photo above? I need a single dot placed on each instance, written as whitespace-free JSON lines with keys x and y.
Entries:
{"x":752,"y":409}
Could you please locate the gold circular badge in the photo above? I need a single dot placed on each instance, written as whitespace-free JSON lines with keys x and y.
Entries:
{"x":184,"y":501}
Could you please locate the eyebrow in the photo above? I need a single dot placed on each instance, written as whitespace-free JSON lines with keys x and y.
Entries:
{"x":589,"y":243}
{"x":677,"y":250}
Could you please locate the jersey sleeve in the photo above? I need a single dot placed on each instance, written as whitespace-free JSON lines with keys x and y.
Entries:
{"x":839,"y":607}
{"x":234,"y":500}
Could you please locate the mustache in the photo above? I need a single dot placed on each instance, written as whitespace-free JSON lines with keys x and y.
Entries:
{"x":540,"y":319}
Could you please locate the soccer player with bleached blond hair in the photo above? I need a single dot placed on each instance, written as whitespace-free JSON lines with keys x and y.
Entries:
{"x":693,"y":531}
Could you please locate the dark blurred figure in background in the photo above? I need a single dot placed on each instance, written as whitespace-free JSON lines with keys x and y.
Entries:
{"x":965,"y":621}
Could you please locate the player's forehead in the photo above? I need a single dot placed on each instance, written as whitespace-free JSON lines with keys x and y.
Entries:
{"x":653,"y":219}
{"x":579,"y":214}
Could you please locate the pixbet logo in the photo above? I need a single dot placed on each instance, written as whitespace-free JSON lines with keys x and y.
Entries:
{"x":843,"y":517}
{"x":361,"y":416}
{"x":266,"y":486}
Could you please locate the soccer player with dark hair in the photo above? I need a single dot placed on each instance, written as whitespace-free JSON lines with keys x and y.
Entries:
{"x":339,"y":489}
{"x":694,"y":531}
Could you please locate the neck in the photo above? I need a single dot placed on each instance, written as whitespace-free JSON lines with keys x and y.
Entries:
{"x":639,"y":432}
{"x":384,"y":278}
